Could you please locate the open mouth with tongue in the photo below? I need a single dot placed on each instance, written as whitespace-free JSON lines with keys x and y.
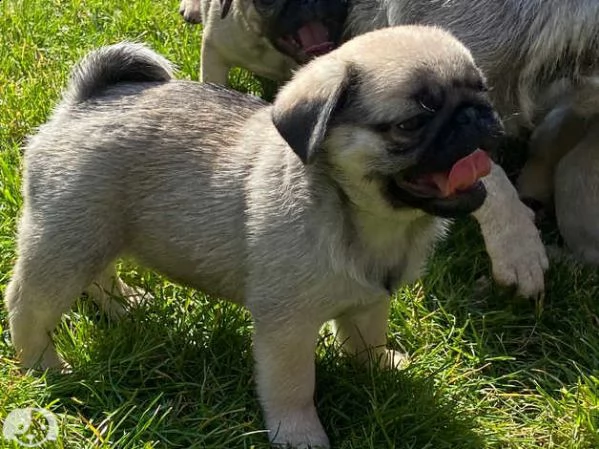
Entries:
{"x":310,"y":40}
{"x":445,"y":193}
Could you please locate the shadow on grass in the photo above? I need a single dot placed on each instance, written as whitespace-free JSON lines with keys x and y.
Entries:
{"x":544,"y":344}
{"x":373,"y":408}
{"x":180,"y":374}
{"x":175,"y":373}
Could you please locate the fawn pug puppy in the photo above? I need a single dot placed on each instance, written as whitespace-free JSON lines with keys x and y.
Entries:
{"x":268,"y":37}
{"x":312,"y":209}
{"x":541,"y":59}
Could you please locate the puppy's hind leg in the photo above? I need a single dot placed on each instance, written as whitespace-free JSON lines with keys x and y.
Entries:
{"x":32,"y":319}
{"x":363,"y":332}
{"x":552,"y":139}
{"x":577,"y":197}
{"x":55,"y":263}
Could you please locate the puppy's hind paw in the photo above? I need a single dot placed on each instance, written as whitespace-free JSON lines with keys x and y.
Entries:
{"x":50,"y":361}
{"x":115,"y":298}
{"x":394,"y":360}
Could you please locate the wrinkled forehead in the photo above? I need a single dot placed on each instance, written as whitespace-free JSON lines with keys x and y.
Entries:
{"x":403,"y":55}
{"x":426,"y":80}
{"x":411,"y":84}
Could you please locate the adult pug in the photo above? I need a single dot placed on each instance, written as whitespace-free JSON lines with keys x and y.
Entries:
{"x":268,"y":37}
{"x":311,"y":209}
{"x":542,"y":62}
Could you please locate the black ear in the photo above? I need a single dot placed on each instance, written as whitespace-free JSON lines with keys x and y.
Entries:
{"x":225,"y":7}
{"x":304,"y":107}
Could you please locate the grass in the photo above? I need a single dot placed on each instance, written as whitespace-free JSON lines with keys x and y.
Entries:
{"x":488,"y":371}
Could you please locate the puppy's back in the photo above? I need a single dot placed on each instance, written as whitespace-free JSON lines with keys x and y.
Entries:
{"x":123,"y":110}
{"x":148,"y":158}
{"x":124,"y":97}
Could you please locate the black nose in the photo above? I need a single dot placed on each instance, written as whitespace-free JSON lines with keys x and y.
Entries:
{"x":479,"y":116}
{"x":467,"y":115}
{"x":330,"y":10}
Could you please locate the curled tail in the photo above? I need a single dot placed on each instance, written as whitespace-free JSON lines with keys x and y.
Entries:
{"x":122,"y":62}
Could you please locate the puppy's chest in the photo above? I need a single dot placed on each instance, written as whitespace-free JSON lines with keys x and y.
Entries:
{"x":382,"y":258}
{"x":361,"y":282}
{"x":388,"y":267}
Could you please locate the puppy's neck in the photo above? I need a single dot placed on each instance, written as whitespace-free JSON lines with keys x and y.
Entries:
{"x":382,"y":231}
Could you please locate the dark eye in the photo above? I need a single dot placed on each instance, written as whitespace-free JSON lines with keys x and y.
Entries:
{"x":383,"y":127}
{"x":414,"y":123}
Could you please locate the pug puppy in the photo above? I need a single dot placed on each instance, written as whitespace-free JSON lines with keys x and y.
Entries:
{"x":267,"y":37}
{"x":312,"y":209}
{"x":541,"y":59}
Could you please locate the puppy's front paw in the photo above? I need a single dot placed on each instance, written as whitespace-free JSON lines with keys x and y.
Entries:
{"x":517,"y":253}
{"x":511,"y":237}
{"x":298,"y":429}
{"x":190,"y":10}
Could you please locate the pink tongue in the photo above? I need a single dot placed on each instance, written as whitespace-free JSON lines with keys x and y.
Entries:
{"x":463,"y":174}
{"x":314,"y":38}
